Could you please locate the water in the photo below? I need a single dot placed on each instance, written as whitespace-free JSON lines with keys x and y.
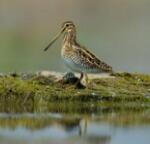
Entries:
{"x":104,"y":126}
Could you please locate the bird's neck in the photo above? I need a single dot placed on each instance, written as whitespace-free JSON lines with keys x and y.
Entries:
{"x":69,"y":37}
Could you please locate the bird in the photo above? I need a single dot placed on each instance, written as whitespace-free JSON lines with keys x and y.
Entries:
{"x":78,"y":58}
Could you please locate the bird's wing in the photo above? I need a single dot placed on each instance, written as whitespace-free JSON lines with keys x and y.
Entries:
{"x":90,"y":59}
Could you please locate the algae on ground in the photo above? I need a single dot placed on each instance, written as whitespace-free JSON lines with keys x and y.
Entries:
{"x":38,"y":89}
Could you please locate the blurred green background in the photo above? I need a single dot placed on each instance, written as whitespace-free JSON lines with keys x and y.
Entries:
{"x":118,"y":31}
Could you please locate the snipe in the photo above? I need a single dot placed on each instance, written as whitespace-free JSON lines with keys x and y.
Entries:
{"x":77,"y":57}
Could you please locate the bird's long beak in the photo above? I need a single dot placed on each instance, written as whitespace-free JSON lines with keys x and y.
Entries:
{"x":54,"y":39}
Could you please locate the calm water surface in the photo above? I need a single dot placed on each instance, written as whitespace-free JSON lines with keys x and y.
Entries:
{"x":100,"y":126}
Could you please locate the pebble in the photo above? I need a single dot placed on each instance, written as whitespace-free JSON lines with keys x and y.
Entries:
{"x":93,"y":94}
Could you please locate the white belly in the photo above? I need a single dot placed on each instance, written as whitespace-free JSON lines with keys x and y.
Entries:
{"x":78,"y":67}
{"x":69,"y":62}
{"x":73,"y":66}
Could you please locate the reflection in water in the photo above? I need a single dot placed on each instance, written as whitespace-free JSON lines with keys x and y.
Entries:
{"x":103,"y":127}
{"x":52,"y":127}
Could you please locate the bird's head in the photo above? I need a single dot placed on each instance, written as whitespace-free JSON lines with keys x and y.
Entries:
{"x":66,"y":27}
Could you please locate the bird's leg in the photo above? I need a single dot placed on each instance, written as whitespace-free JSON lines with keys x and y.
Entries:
{"x":81,"y":76}
{"x":86,"y":80}
{"x":79,"y":80}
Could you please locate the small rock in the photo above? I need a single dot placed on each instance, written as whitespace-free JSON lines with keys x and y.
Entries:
{"x":93,"y":94}
{"x":70,"y":78}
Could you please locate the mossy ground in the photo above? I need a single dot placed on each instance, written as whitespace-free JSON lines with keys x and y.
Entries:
{"x":123,"y":99}
{"x":37,"y":89}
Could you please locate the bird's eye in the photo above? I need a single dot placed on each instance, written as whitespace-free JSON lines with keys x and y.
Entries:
{"x":67,"y":25}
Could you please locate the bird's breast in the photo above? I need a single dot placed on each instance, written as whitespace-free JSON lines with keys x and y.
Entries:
{"x":66,"y":49}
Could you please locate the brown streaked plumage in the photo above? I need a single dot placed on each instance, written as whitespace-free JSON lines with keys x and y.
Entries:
{"x":77,"y":57}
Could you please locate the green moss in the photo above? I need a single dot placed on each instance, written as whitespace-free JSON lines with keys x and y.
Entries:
{"x":34,"y":89}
